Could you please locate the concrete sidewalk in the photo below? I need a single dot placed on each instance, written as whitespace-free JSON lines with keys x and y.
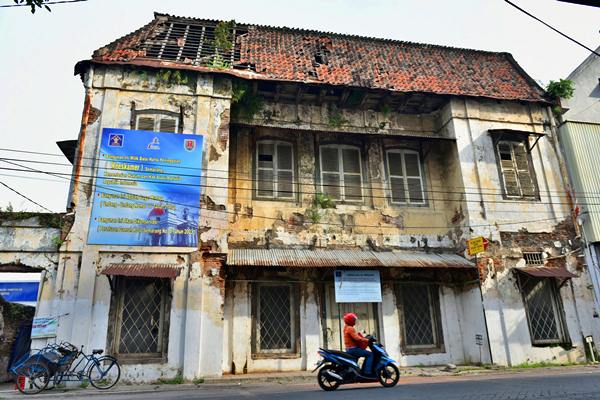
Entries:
{"x":408,"y":375}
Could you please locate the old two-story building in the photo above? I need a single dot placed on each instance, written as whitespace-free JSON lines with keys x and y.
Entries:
{"x":324,"y":152}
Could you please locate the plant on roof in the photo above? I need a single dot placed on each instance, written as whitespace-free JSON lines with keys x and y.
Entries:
{"x":243,"y":101}
{"x":219,"y":63}
{"x":562,"y":89}
{"x":224,"y":35}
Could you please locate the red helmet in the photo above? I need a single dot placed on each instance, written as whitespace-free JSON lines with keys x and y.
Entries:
{"x":350,"y":318}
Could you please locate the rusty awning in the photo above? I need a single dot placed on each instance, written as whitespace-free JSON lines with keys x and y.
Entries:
{"x":547,"y":272}
{"x":143,"y":270}
{"x":344,"y":258}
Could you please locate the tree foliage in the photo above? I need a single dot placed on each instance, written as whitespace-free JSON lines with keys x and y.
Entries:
{"x":563,"y":89}
{"x":34,"y":4}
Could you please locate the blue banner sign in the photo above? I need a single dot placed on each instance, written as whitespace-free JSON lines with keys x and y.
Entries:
{"x":19,"y":292}
{"x":147,"y":190}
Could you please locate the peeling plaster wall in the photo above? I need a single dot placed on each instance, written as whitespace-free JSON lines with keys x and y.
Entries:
{"x":260,"y":223}
{"x":77,"y":290}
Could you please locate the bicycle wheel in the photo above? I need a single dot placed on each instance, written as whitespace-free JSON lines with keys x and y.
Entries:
{"x":33,"y":378}
{"x":104,"y":372}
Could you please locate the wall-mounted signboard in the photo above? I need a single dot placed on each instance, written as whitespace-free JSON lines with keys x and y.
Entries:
{"x":20,"y":287}
{"x":357,"y":286}
{"x":147,"y":190}
{"x":44,"y":327}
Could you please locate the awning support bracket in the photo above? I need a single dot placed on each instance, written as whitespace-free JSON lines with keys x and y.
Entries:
{"x":111,"y":283}
{"x":534,"y":143}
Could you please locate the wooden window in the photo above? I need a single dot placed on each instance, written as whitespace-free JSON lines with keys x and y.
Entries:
{"x":276,"y":319}
{"x":156,"y":123}
{"x":420,"y":318}
{"x":274,"y":170}
{"x":405,"y":174}
{"x":341,"y":172}
{"x":140,"y":309}
{"x":516,"y":169}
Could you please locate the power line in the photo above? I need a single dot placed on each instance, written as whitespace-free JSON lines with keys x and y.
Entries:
{"x":250,"y":189}
{"x":551,"y":27}
{"x":557,"y":218}
{"x":25,"y":197}
{"x":49,"y":3}
{"x":486,"y":191}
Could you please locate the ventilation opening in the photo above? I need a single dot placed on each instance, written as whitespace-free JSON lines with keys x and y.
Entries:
{"x":533,"y":259}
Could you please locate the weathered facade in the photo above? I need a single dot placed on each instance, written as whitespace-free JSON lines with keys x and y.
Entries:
{"x":316,"y":158}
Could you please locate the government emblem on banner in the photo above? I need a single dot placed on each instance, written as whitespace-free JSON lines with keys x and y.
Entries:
{"x":115,"y":140}
{"x":189,"y":144}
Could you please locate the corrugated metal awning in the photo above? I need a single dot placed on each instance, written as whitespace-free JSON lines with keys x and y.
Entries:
{"x":547,"y":272}
{"x":143,"y":270}
{"x":343,"y":258}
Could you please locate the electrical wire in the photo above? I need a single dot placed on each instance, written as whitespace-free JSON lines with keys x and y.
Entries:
{"x":25,"y":197}
{"x":49,"y":3}
{"x":551,"y":27}
{"x":557,"y":218}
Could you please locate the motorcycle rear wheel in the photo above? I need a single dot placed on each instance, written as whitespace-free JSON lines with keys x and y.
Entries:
{"x":388,"y":375}
{"x":325,"y":382}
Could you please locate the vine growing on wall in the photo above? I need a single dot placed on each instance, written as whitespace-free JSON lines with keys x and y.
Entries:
{"x":243,"y":101}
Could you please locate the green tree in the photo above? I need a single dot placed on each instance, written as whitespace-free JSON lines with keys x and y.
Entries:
{"x":34,"y":4}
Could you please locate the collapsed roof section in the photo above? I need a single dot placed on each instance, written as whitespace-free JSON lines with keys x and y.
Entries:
{"x":321,"y":58}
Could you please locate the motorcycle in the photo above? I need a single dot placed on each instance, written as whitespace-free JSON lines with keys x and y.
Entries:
{"x":338,"y":368}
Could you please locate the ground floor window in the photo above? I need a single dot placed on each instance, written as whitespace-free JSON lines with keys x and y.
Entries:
{"x":421,"y":326}
{"x":139,"y":322}
{"x":275,"y":319}
{"x":544,"y":310}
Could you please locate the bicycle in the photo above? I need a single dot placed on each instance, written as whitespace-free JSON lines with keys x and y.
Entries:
{"x":54,"y":364}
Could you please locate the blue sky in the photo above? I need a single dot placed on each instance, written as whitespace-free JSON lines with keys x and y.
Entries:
{"x":41,"y":100}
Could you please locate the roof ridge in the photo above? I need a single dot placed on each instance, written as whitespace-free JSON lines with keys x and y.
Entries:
{"x":338,"y":34}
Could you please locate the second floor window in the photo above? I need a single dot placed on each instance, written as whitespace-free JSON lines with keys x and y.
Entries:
{"x":274,"y":170}
{"x":156,"y":123}
{"x":341,"y":172}
{"x":516,"y":169}
{"x":405,"y":176}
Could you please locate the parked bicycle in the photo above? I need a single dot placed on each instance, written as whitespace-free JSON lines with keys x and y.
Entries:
{"x":56,"y":364}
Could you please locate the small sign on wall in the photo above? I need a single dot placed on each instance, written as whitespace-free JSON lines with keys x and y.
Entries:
{"x":362,"y":286}
{"x":44,"y":327}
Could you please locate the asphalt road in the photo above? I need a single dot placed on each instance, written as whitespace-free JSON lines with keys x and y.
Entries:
{"x":555,"y":385}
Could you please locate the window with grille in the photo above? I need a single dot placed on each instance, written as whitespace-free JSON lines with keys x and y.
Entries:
{"x":275,"y":319}
{"x":421,"y":320}
{"x":341,"y":172}
{"x":140,"y":314}
{"x":516,"y":169}
{"x":274,"y":170}
{"x":405,"y":174}
{"x":157,"y":123}
{"x":543,"y":307}
{"x":533,"y":259}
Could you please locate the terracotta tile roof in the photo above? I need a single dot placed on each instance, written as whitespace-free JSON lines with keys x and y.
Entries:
{"x":286,"y":54}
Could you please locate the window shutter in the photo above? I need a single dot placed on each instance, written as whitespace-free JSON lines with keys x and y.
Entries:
{"x":352,"y":175}
{"x":330,"y":172}
{"x":285,"y":171}
{"x":396,"y":172}
{"x":523,"y":170}
{"x":265,"y":175}
{"x":145,"y":124}
{"x":509,"y":173}
{"x":168,"y":125}
{"x":413,"y":177}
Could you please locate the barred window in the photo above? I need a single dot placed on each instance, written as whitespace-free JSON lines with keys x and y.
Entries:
{"x":516,"y":169}
{"x":341,"y":172}
{"x":140,"y":313}
{"x":274,"y":170}
{"x":421,"y":320}
{"x":533,"y":259}
{"x":275,"y":319}
{"x":543,"y":307}
{"x":405,"y":174}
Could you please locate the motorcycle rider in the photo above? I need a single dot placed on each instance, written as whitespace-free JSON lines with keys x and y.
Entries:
{"x":355,"y":343}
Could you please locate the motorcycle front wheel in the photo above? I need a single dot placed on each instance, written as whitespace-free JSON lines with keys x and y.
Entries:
{"x":388,"y":375}
{"x":325,"y":382}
